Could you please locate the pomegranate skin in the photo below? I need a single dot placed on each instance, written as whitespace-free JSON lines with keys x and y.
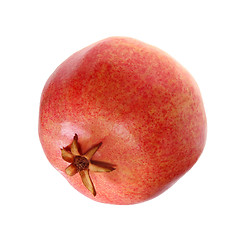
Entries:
{"x":143,"y":106}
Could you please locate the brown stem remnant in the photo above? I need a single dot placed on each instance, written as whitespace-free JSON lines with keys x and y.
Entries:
{"x":82,"y":163}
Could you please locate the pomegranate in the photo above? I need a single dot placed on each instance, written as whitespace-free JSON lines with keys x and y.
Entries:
{"x":122,"y":121}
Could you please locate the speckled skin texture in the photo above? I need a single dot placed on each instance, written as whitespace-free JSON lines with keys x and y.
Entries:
{"x":142,"y":104}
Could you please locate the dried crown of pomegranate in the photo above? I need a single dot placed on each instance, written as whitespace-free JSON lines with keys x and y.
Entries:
{"x":82,"y":163}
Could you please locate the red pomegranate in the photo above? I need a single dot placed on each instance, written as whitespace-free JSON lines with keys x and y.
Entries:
{"x":122,"y":121}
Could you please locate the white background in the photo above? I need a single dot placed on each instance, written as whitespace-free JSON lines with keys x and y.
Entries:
{"x":207,"y":37}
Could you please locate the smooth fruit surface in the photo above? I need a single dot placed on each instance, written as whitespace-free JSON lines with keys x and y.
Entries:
{"x":136,"y":100}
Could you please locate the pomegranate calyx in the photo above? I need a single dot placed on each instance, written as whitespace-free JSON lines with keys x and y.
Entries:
{"x":82,"y":163}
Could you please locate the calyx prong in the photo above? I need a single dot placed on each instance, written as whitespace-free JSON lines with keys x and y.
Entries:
{"x":89,"y":154}
{"x":74,"y":146}
{"x":87,"y":181}
{"x":97,"y":168}
{"x":71,"y":170}
{"x":67,"y":156}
